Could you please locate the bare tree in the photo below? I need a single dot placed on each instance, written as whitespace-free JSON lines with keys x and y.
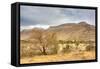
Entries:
{"x":45,"y":40}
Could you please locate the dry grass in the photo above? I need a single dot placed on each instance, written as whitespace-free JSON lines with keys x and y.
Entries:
{"x":86,"y":55}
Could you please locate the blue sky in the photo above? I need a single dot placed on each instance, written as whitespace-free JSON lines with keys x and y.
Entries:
{"x":33,"y":16}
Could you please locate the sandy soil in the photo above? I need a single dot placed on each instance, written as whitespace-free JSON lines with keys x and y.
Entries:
{"x":59,"y":57}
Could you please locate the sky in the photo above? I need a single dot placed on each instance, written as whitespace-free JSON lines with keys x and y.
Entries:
{"x":44,"y":17}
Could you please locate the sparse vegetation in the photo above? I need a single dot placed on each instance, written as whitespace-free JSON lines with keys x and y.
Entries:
{"x":51,"y":45}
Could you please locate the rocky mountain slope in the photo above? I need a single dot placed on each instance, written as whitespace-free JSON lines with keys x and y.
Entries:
{"x":68,"y":31}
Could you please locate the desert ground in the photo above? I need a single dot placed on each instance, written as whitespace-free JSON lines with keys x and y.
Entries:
{"x":86,"y":55}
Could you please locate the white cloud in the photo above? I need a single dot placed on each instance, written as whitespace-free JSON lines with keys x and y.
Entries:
{"x":34,"y":26}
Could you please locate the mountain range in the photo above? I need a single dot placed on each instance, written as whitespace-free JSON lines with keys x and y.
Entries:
{"x":67,"y":31}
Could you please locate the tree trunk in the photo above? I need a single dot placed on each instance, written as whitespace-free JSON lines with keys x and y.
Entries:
{"x":44,"y":51}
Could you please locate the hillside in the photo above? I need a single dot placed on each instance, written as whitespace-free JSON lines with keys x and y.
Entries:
{"x":67,"y":31}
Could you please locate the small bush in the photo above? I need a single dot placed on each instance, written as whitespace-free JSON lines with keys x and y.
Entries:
{"x":90,"y":48}
{"x":67,"y":49}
